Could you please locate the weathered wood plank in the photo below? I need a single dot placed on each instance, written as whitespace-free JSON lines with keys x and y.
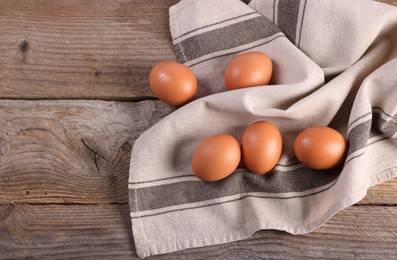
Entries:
{"x":382,"y":194}
{"x":70,"y":151}
{"x":79,"y":152}
{"x":393,"y":2}
{"x":104,"y":231}
{"x":65,"y":232}
{"x":81,"y":49}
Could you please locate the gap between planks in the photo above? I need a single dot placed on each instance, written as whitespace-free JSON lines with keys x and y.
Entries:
{"x":91,"y":98}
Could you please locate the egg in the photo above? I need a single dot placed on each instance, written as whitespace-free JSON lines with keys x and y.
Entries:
{"x":173,"y":83}
{"x":247,"y":70}
{"x":261,"y":147}
{"x":320,"y":147}
{"x":216,"y":157}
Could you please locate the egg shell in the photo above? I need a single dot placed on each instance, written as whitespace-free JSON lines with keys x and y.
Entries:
{"x":173,"y":83}
{"x":261,"y":147}
{"x":247,"y":70}
{"x":216,"y":157}
{"x":320,"y":147}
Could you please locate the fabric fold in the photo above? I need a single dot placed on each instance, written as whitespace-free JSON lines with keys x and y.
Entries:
{"x":340,"y":73}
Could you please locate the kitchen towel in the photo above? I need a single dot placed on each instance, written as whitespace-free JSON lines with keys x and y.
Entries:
{"x":334,"y":64}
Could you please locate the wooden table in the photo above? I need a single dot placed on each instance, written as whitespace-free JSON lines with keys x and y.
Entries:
{"x":73,"y":99}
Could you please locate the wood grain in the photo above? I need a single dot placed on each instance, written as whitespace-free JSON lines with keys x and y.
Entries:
{"x":70,"y":151}
{"x":79,"y":151}
{"x":81,"y":49}
{"x":393,"y":2}
{"x":103,"y":231}
{"x":64,"y":232}
{"x":382,"y":194}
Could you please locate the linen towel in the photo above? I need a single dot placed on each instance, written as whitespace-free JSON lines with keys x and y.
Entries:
{"x":334,"y":64}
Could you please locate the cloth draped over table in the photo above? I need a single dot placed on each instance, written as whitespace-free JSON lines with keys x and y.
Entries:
{"x":334,"y":64}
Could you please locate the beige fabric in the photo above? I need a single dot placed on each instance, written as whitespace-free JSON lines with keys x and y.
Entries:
{"x":334,"y":64}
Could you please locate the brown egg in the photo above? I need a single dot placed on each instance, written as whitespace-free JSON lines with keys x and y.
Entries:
{"x":216,"y":157}
{"x":320,"y":147}
{"x":261,"y":147}
{"x":173,"y":83}
{"x":247,"y":70}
